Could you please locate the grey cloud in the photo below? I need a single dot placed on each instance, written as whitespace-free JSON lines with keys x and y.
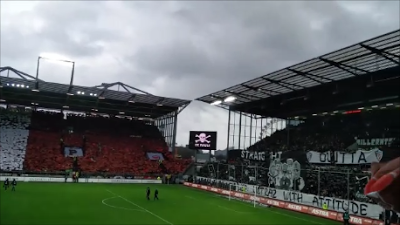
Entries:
{"x":188,"y":59}
{"x":69,"y":27}
{"x":248,"y":40}
{"x":187,"y":49}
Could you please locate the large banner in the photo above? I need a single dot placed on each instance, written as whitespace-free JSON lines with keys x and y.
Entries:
{"x":253,"y":155}
{"x":203,"y":140}
{"x":339,"y":205}
{"x":155,"y":156}
{"x":73,"y":152}
{"x":285,"y":170}
{"x":358,"y":157}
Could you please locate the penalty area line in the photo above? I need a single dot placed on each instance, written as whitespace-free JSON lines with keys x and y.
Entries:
{"x":104,"y":202}
{"x":140,"y":207}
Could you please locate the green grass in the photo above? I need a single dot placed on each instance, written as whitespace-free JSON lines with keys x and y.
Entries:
{"x":69,"y":203}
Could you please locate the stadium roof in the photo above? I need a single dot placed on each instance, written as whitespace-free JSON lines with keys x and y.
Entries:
{"x":27,"y":90}
{"x":364,"y":58}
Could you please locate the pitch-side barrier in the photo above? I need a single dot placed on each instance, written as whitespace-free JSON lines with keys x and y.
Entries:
{"x":328,"y":214}
{"x":81,"y":180}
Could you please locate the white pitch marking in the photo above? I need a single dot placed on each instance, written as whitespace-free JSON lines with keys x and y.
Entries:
{"x":140,"y":207}
{"x":104,"y":202}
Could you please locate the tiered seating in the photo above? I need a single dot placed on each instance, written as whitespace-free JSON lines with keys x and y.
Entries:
{"x":331,"y":133}
{"x":110,"y":144}
{"x":13,"y":139}
{"x":44,"y":151}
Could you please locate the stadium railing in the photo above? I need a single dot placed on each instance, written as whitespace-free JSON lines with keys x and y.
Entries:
{"x":338,"y":182}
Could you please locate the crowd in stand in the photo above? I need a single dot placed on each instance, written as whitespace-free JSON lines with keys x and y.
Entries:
{"x":329,"y":133}
{"x":333,"y":133}
{"x":35,"y":141}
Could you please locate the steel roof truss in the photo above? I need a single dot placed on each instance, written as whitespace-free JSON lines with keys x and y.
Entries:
{"x":310,"y":76}
{"x":126,"y":89}
{"x":269,"y":93}
{"x":160,"y":100}
{"x":260,"y":89}
{"x":104,"y":89}
{"x":282,"y":84}
{"x":22,"y":74}
{"x":344,"y":67}
{"x":247,"y":97}
{"x":257,"y":94}
{"x":133,"y":88}
{"x":380,"y":53}
{"x":181,"y":108}
{"x":131,"y":98}
{"x":391,"y":54}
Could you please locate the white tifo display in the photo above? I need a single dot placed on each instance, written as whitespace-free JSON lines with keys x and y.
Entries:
{"x":334,"y":204}
{"x":83,"y":180}
{"x":13,"y":139}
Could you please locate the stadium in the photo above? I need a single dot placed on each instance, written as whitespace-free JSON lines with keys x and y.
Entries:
{"x":300,"y":142}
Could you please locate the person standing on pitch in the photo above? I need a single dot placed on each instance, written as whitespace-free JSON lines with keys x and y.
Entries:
{"x":346,"y":217}
{"x":6,"y":184}
{"x":155,"y":194}
{"x":14,"y":184}
{"x":148,"y":193}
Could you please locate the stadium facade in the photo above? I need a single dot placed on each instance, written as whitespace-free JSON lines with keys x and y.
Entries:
{"x":19,"y":89}
{"x":311,"y":130}
{"x":359,"y":76}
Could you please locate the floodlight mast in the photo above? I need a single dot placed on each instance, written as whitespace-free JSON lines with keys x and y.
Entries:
{"x":57,"y":60}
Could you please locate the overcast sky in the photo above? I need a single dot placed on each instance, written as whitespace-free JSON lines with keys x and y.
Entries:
{"x":183,"y":49}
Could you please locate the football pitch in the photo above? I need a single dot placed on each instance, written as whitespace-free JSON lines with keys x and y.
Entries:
{"x":82,"y":203}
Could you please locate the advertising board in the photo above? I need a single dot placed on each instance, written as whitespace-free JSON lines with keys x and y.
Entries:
{"x":311,"y":210}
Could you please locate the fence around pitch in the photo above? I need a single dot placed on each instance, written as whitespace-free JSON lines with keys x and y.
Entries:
{"x":335,"y":182}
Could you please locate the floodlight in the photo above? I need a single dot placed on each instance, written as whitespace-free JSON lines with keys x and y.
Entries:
{"x":230,"y":99}
{"x":216,"y":102}
{"x":54,"y":57}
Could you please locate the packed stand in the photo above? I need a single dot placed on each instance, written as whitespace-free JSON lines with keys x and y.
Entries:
{"x":349,"y":182}
{"x":331,"y":133}
{"x":112,"y":145}
{"x":316,"y":180}
{"x":37,"y":141}
{"x":234,"y":171}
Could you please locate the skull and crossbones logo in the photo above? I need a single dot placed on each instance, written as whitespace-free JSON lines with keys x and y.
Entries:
{"x":202,"y":138}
